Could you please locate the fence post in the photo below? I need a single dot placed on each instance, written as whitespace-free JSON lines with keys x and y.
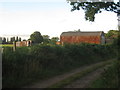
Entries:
{"x":14,"y":46}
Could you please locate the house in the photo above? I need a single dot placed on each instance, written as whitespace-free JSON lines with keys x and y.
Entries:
{"x":96,"y":37}
{"x":23,"y":43}
{"x":58,"y":42}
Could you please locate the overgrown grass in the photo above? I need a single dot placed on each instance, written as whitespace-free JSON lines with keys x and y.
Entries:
{"x":108,"y":79}
{"x":28,"y":64}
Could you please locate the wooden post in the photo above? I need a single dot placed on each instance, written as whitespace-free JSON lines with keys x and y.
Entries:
{"x":14,"y":46}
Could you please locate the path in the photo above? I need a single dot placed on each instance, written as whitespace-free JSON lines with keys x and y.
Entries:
{"x":85,"y":81}
{"x":51,"y":81}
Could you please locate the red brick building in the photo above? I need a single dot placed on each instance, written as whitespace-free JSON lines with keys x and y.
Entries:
{"x":96,"y":37}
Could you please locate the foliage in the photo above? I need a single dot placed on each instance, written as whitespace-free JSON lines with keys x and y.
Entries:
{"x":109,"y":78}
{"x":36,"y":37}
{"x":28,"y":64}
{"x":112,"y":34}
{"x":19,"y":39}
{"x":16,"y":39}
{"x":92,"y":8}
{"x":46,"y":39}
{"x":53,"y":40}
{"x":3,"y":40}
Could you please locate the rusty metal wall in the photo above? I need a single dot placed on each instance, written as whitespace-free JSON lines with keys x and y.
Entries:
{"x":80,"y":39}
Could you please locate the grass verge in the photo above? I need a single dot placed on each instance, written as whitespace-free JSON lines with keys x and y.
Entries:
{"x":70,"y":79}
{"x":108,"y":79}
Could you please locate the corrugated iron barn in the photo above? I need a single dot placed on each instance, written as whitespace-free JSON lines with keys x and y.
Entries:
{"x":96,"y":37}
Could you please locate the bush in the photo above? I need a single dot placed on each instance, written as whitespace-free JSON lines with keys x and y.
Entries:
{"x":27,"y":64}
{"x":109,"y":78}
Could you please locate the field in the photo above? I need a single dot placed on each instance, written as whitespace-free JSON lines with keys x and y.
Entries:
{"x":6,"y":45}
{"x":39,"y":62}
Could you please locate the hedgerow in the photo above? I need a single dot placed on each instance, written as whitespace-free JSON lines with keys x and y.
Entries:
{"x":39,"y":62}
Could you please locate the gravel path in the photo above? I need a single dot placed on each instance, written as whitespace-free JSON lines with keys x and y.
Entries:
{"x":51,"y":81}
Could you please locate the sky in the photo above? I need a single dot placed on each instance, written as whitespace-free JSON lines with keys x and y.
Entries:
{"x":50,"y":17}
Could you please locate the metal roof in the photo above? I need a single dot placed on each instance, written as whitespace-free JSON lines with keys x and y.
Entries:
{"x":85,"y":33}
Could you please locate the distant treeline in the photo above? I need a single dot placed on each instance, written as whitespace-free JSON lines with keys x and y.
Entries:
{"x":4,"y":40}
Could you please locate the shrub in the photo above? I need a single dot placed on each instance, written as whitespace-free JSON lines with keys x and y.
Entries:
{"x":27,"y":64}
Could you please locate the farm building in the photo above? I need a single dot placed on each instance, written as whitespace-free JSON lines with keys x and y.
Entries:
{"x":23,"y":43}
{"x":96,"y":37}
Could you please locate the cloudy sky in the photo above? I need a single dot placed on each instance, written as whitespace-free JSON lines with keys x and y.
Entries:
{"x":50,"y":17}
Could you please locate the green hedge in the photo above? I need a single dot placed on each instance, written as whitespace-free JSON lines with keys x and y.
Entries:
{"x":38,"y":62}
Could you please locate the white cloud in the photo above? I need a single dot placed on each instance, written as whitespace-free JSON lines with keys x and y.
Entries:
{"x":53,"y":23}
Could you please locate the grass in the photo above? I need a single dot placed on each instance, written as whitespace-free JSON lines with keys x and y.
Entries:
{"x":108,"y":78}
{"x":69,"y":80}
{"x":6,"y":45}
{"x":97,"y":83}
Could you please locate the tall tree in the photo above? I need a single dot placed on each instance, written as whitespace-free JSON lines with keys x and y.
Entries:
{"x":46,"y":39}
{"x":0,"y":40}
{"x":19,"y":39}
{"x":91,"y":7}
{"x":16,"y":39}
{"x":7,"y":40}
{"x":36,"y":37}
{"x":112,"y":34}
{"x":13,"y":38}
{"x":4,"y":40}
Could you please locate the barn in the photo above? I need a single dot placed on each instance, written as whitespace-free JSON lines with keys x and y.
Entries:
{"x":96,"y":37}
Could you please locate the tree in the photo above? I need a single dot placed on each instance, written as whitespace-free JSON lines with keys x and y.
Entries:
{"x":46,"y":39}
{"x":16,"y":39}
{"x":92,"y":8}
{"x":13,"y":38}
{"x":19,"y":39}
{"x":4,"y":40}
{"x":7,"y":40}
{"x":36,"y":37}
{"x":54,"y":40}
{"x":0,"y":40}
{"x":112,"y":34}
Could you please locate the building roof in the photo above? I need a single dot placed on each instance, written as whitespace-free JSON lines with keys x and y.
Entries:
{"x":85,"y":33}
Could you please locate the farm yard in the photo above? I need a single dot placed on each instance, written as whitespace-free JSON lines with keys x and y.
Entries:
{"x":28,"y":65}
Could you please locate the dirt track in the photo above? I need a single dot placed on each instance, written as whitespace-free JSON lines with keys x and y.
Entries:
{"x":83,"y":82}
